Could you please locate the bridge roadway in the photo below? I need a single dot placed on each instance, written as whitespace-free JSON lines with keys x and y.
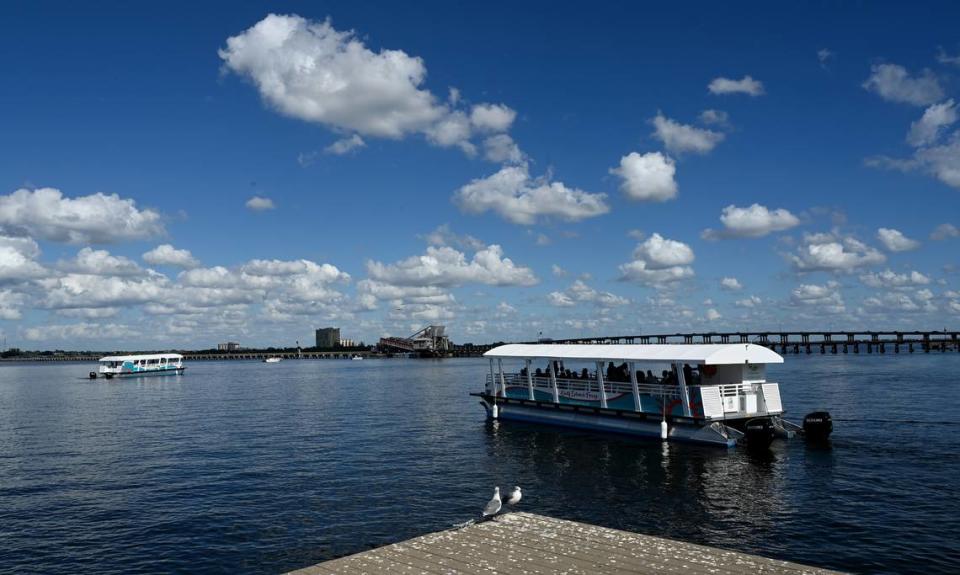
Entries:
{"x":786,"y":341}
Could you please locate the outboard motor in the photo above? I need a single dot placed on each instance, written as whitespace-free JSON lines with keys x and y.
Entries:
{"x":817,"y":426}
{"x":759,"y":433}
{"x":93,"y":375}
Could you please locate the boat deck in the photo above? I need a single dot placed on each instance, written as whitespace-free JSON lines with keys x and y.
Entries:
{"x":528,"y":543}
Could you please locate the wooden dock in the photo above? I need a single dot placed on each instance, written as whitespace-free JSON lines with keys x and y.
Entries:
{"x":528,"y":543}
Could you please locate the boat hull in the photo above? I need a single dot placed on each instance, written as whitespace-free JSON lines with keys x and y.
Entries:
{"x":152,"y":372}
{"x":611,"y":421}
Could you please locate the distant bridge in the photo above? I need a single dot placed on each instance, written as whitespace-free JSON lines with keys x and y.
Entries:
{"x":798,"y":341}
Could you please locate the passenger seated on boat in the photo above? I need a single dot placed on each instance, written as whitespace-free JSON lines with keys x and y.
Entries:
{"x":538,"y":373}
{"x":523,"y":372}
{"x":641,"y":377}
{"x":669,"y":378}
{"x":584,"y":374}
{"x":624,"y":370}
{"x":651,"y":378}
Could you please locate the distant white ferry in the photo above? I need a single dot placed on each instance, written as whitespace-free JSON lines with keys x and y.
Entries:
{"x":137,"y":365}
{"x":272,"y":360}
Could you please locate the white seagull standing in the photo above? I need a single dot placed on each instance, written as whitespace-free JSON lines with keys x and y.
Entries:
{"x":493,"y":506}
{"x":514,"y":496}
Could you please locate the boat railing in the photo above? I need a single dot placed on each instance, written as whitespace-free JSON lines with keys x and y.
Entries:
{"x":583,"y":385}
{"x":717,"y":401}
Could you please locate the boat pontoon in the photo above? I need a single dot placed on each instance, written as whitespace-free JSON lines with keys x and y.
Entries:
{"x":711,"y":393}
{"x":137,"y":365}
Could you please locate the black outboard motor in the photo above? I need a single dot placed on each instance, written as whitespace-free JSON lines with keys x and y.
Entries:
{"x":93,"y":375}
{"x":759,"y":433}
{"x":817,"y":426}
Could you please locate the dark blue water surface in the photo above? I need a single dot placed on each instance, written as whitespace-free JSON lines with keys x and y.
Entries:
{"x":260,"y":468}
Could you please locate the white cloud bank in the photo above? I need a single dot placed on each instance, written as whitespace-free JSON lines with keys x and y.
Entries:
{"x":46,"y":214}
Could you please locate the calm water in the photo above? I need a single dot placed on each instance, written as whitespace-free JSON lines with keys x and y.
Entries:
{"x":259,"y":468}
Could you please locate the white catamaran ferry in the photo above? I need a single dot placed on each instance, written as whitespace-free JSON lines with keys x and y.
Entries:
{"x":137,"y":365}
{"x":712,"y":393}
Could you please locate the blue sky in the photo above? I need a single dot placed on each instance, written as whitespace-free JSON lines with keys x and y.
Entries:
{"x":179,"y":176}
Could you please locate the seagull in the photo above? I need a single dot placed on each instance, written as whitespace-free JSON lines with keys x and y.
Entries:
{"x":493,"y":506}
{"x":514,"y":496}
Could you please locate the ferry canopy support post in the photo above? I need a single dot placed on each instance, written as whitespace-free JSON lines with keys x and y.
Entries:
{"x":492,"y":389}
{"x":633,"y":384}
{"x":503,"y":384}
{"x":684,"y":394}
{"x":553,"y":382}
{"x":529,"y":382}
{"x":603,"y":395}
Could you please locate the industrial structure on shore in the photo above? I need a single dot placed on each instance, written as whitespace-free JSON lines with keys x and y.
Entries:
{"x":431,"y":341}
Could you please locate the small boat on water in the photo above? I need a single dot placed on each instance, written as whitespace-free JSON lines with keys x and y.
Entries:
{"x":272,"y":360}
{"x":357,"y":358}
{"x":715,"y":394}
{"x":138,"y":365}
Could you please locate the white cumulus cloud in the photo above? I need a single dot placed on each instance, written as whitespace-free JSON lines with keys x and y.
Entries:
{"x":313,"y":72}
{"x":751,"y":222}
{"x":746,"y":85}
{"x":825,"y":252}
{"x":894,"y":83}
{"x":260,"y":204}
{"x":520,"y":199}
{"x":657,"y":261}
{"x":731,"y":284}
{"x":167,"y":255}
{"x":679,"y":138}
{"x":647,"y":177}
{"x":945,"y":232}
{"x":579,"y":291}
{"x":928,"y":128}
{"x":895,"y":241}
{"x":890,"y":279}
{"x":492,"y":117}
{"x":345,"y":145}
{"x":447,"y":267}
{"x":101,"y":262}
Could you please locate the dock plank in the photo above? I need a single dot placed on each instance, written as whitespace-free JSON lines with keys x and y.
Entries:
{"x":529,"y":544}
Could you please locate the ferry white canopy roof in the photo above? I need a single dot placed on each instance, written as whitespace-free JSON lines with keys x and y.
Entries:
{"x":709,"y":354}
{"x":145,"y":356}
